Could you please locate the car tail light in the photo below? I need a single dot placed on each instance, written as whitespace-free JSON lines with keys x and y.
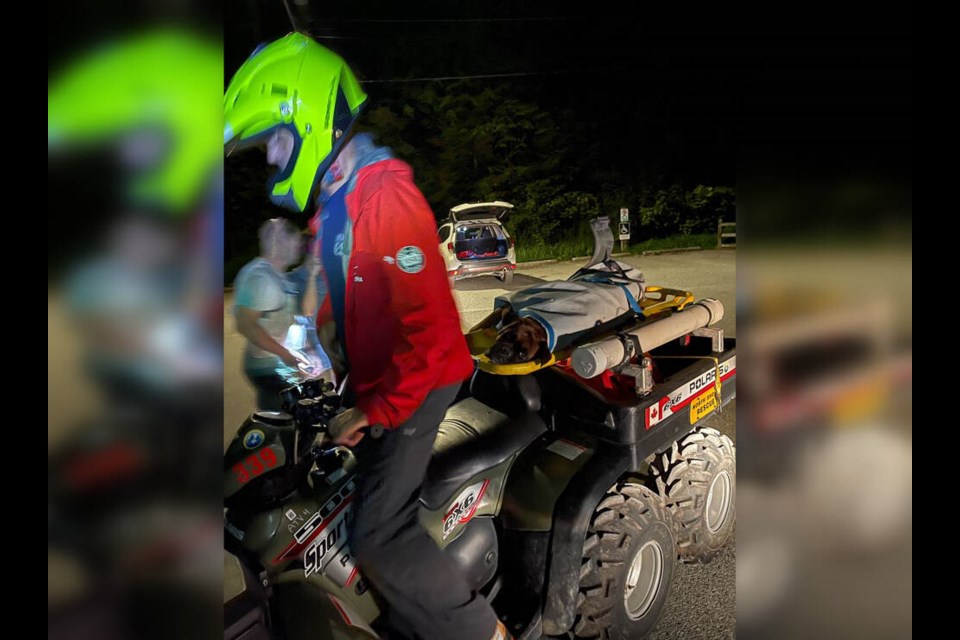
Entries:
{"x":450,"y":247}
{"x":511,"y":242}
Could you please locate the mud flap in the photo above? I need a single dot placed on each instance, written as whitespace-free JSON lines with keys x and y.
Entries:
{"x":534,"y":630}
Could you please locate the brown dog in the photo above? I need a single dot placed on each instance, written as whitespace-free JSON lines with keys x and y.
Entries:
{"x":522,"y":340}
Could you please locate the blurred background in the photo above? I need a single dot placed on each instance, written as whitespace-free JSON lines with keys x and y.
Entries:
{"x":134,"y":329}
{"x":824,"y":270}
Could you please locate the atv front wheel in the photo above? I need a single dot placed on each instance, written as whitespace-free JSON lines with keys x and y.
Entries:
{"x":628,"y":561}
{"x":697,"y":480}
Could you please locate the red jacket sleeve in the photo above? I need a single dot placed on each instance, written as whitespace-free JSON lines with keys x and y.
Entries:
{"x":324,"y":313}
{"x":399,"y":225}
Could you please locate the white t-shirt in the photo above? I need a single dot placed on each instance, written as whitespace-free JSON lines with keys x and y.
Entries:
{"x":260,"y":287}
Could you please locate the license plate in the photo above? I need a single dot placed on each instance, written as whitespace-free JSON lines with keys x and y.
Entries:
{"x":702,"y":406}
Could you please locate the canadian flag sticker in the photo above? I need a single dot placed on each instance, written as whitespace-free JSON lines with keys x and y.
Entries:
{"x":659,"y":411}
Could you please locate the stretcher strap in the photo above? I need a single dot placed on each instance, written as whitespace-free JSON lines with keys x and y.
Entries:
{"x":717,"y":382}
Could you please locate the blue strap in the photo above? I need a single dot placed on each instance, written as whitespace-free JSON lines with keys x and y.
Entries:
{"x":602,"y":279}
{"x":551,"y":334}
{"x":631,"y":300}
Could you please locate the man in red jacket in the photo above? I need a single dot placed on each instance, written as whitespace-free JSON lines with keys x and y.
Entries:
{"x":390,"y":306}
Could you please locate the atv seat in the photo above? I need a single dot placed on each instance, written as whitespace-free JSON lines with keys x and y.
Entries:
{"x":473,"y":437}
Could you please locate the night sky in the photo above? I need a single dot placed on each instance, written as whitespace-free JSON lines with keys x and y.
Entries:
{"x":649,"y":90}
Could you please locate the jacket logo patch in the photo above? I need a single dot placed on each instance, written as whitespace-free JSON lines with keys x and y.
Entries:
{"x":410,"y":259}
{"x":338,"y":245}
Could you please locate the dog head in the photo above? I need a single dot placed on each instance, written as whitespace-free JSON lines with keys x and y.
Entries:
{"x":523,"y":340}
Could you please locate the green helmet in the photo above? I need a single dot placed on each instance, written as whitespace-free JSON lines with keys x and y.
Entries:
{"x":159,"y":87}
{"x":297,"y":84}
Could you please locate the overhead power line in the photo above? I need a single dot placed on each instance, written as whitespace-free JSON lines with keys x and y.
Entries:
{"x":447,"y":20}
{"x":481,"y":76}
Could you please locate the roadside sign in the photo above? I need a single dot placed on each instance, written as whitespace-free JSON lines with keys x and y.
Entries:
{"x":624,"y":215}
{"x":624,"y":230}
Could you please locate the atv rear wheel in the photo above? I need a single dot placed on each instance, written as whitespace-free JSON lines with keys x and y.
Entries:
{"x":697,"y":480}
{"x":629,"y":558}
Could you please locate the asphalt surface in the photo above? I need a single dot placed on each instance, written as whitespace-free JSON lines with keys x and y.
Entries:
{"x":702,"y":604}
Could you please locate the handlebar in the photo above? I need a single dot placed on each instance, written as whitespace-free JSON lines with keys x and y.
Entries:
{"x":313,"y":404}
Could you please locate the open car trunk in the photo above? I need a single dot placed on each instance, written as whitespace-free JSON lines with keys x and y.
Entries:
{"x":479,"y":241}
{"x":480,"y":211}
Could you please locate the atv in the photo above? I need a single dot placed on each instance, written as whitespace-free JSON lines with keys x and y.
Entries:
{"x":566,"y":500}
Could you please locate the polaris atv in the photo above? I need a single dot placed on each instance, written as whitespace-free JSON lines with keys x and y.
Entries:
{"x":565,"y":500}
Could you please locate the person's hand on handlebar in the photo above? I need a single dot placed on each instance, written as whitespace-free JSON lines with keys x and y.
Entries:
{"x":346,"y":427}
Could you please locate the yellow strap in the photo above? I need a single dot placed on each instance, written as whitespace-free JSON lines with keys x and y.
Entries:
{"x":518,"y":369}
{"x":717,"y":387}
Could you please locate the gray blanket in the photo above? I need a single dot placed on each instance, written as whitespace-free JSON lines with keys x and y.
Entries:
{"x":574,"y":308}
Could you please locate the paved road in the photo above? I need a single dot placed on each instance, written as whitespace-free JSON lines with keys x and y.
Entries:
{"x":703,"y":602}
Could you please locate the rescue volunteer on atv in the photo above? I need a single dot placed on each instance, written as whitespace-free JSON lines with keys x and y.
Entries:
{"x":389,"y":305}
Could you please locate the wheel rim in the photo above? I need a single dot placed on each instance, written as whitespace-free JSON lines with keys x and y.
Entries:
{"x":718,"y":501}
{"x":643,"y":580}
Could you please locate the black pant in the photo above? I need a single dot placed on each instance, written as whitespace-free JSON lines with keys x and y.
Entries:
{"x":268,"y":388}
{"x":395,"y":553}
